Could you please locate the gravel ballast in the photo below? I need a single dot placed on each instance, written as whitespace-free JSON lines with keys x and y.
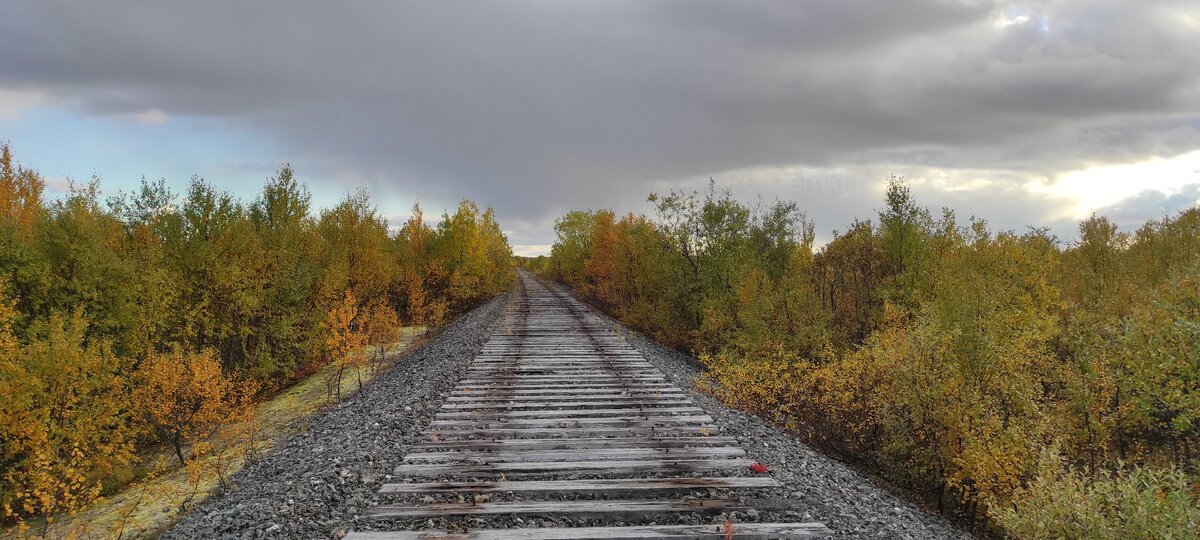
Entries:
{"x":318,"y":483}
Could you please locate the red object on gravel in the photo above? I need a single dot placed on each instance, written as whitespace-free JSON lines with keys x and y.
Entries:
{"x":758,"y":468}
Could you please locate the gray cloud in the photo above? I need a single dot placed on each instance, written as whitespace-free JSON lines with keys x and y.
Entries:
{"x":536,"y":108}
{"x":1130,"y":214}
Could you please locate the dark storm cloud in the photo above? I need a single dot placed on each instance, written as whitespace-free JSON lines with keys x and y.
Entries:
{"x":540,"y":107}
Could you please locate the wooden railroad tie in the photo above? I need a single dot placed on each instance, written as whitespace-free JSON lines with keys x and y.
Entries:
{"x":556,"y":393}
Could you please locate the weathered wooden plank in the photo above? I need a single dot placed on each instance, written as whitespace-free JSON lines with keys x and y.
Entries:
{"x":529,"y":386}
{"x":531,"y":371}
{"x":477,"y":383}
{"x":576,"y":454}
{"x":625,"y":467}
{"x":593,"y":431}
{"x":579,"y":389}
{"x":545,"y":330}
{"x":562,"y":380}
{"x":612,"y":509}
{"x":552,"y":340}
{"x":560,"y":334}
{"x":632,"y":411}
{"x":632,"y":358}
{"x":561,"y":393}
{"x":592,"y":371}
{"x":561,"y":364}
{"x":519,"y":388}
{"x":606,"y":403}
{"x":559,"y":359}
{"x":591,"y":486}
{"x":574,"y":394}
{"x":546,"y":347}
{"x":640,"y":420}
{"x":567,"y":400}
{"x":612,"y":353}
{"x":741,"y":531}
{"x":527,"y":362}
{"x":566,"y":443}
{"x":540,"y":375}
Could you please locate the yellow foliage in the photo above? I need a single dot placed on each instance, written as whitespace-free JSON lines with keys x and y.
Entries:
{"x":343,"y":341}
{"x":185,"y":397}
{"x":60,"y":403}
{"x":344,"y":336}
{"x":381,"y":330}
{"x":20,"y":192}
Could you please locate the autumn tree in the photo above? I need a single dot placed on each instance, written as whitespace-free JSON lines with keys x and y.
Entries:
{"x":22,"y":261}
{"x":849,"y":272}
{"x":905,"y":231}
{"x":86,"y":269}
{"x":183,"y":397}
{"x":598,"y":275}
{"x":288,"y":314}
{"x":216,"y":258}
{"x":65,"y":425}
{"x":20,"y":192}
{"x":638,"y":280}
{"x":21,"y":430}
{"x":420,"y":275}
{"x":476,"y":255}
{"x":344,"y":339}
{"x":355,"y":242}
{"x":381,"y":330}
{"x":572,"y":246}
{"x":1155,"y":355}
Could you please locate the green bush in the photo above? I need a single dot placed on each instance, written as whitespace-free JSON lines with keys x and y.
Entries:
{"x":1135,"y":502}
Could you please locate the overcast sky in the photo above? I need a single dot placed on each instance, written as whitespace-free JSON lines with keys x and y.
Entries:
{"x":1023,"y":113}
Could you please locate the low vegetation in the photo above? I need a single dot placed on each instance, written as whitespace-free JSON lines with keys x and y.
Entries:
{"x":990,"y":372}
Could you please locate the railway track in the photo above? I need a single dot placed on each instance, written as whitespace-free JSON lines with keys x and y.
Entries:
{"x":558,"y":421}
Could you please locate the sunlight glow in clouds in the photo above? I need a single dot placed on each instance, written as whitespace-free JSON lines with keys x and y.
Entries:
{"x":1020,"y":16}
{"x":1189,"y":18}
{"x":1097,"y":187}
{"x":151,"y":117}
{"x":1019,"y":19}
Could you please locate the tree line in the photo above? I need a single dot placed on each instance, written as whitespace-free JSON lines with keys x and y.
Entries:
{"x":151,"y":317}
{"x":1020,"y":385}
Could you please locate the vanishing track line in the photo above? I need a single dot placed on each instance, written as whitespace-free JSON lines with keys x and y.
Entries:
{"x":558,"y":418}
